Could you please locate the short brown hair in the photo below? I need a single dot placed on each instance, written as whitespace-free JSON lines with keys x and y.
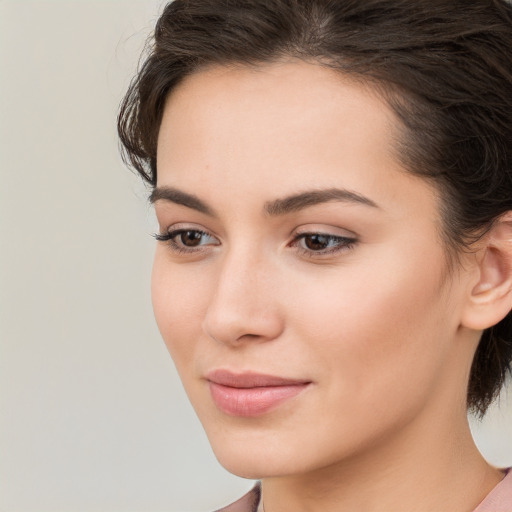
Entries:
{"x":445,"y":67}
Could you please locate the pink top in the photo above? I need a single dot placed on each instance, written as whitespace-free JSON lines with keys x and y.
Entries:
{"x":498,"y":500}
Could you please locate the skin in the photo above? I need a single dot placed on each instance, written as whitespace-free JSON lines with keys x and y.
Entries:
{"x":377,"y":327}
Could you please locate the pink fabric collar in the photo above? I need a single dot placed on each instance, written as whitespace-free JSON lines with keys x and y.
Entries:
{"x":500,"y":498}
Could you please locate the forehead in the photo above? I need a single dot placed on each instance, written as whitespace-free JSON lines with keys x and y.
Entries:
{"x":284,"y":114}
{"x":244,"y":136}
{"x":241,"y":138}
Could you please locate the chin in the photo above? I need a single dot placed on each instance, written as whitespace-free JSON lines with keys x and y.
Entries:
{"x":252,"y":454}
{"x":255,"y":464}
{"x":243,"y":468}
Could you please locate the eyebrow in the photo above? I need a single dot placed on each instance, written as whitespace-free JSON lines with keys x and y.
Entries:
{"x":309,"y":198}
{"x":176,"y":196}
{"x":276,"y":207}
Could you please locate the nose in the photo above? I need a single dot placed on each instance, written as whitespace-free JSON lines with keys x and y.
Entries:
{"x":244,"y":307}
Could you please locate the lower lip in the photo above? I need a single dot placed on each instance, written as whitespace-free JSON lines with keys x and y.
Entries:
{"x":248,"y":402}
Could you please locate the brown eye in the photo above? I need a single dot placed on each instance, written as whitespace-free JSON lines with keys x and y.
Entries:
{"x":322,"y":244}
{"x":317,"y":242}
{"x":187,"y":240}
{"x":191,"y":238}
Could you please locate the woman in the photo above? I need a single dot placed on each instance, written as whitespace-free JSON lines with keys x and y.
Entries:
{"x":333,"y":276}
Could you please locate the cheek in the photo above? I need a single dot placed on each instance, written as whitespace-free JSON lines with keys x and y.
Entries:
{"x":378,"y":330}
{"x":179,"y":303}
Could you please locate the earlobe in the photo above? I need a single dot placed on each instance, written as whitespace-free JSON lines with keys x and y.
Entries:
{"x":491,"y":297}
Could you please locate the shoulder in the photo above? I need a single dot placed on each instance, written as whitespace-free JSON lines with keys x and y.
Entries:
{"x":500,"y":498}
{"x":247,"y":503}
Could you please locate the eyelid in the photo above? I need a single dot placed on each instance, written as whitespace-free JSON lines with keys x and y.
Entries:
{"x":329,"y":236}
{"x":166,"y":228}
{"x":173,"y":231}
{"x":344,"y":242}
{"x":322,"y":229}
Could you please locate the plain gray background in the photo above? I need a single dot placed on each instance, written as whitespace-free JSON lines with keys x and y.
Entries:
{"x":92,"y":414}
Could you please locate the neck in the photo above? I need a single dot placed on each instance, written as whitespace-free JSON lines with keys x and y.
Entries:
{"x":443,"y":472}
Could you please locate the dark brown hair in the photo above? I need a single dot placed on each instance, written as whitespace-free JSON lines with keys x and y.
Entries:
{"x":445,"y":67}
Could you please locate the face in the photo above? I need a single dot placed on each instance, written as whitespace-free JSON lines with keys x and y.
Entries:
{"x":299,"y":283}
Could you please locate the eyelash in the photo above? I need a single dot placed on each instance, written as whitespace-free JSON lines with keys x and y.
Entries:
{"x":175,"y":247}
{"x":344,"y":243}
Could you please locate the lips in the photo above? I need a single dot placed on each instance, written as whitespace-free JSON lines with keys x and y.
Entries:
{"x":251,"y":394}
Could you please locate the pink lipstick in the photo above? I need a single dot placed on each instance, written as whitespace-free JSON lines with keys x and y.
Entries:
{"x":251,"y":394}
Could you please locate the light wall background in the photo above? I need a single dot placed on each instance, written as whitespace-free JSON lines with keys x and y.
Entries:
{"x":92,"y":414}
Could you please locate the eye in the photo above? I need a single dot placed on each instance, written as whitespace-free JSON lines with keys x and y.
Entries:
{"x":187,"y":240}
{"x":190,"y":238}
{"x":320,"y":244}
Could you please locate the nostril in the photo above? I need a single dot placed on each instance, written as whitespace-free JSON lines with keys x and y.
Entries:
{"x":237,"y":329}
{"x":250,"y":337}
{"x":240,"y":309}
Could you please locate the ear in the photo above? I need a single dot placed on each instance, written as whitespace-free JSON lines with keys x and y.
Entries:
{"x":490,"y":298}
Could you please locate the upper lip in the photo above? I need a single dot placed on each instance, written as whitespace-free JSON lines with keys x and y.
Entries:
{"x":251,"y":379}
